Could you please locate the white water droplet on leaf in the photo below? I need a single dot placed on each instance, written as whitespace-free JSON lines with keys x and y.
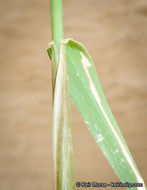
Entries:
{"x":99,"y":138}
{"x":122,"y":160}
{"x":86,"y":122}
{"x":115,"y":151}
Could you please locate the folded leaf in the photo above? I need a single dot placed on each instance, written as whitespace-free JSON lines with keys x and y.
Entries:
{"x":87,"y":94}
{"x":62,"y":139}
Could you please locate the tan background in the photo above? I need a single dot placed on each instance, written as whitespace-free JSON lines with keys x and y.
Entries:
{"x":115,"y":33}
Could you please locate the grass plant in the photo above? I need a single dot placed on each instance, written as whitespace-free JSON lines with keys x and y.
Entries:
{"x":74,"y":74}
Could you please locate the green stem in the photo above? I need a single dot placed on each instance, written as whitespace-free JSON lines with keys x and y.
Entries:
{"x":57,"y":34}
{"x":56,"y":22}
{"x":62,"y":134}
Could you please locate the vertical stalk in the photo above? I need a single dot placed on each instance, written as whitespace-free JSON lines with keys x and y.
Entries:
{"x":57,"y":34}
{"x":56,"y":22}
{"x":62,"y":138}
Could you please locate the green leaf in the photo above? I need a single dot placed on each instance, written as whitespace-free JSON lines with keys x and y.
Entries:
{"x":87,"y":94}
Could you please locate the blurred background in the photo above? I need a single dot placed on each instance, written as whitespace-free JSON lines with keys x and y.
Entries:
{"x":115,"y":33}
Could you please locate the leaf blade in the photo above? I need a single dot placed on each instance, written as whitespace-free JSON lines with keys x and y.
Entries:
{"x":87,"y":94}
